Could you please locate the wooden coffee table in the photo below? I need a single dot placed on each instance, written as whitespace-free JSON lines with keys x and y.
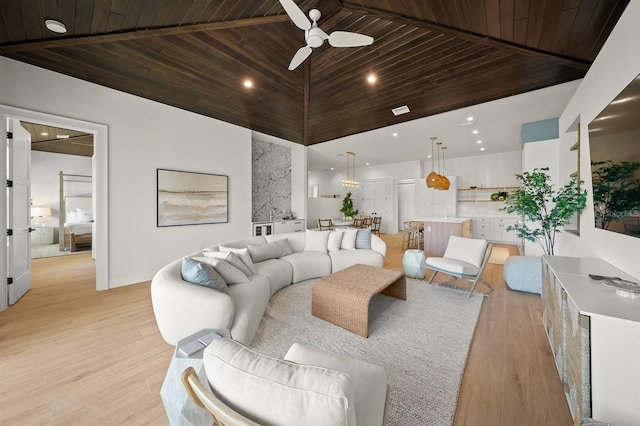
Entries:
{"x":342,"y":298}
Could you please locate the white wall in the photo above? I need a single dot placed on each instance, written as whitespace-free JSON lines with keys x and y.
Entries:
{"x":45,"y":182}
{"x":143,"y":136}
{"x":616,"y":65}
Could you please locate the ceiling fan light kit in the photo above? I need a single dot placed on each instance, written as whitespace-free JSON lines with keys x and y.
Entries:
{"x":315,"y":37}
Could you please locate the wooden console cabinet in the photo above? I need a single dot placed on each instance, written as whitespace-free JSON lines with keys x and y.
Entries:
{"x":595,"y":338}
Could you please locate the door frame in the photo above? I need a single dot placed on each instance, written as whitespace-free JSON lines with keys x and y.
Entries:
{"x":101,"y":175}
{"x":397,"y":198}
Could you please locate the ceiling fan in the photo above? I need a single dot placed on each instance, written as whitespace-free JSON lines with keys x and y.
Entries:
{"x":314,"y":36}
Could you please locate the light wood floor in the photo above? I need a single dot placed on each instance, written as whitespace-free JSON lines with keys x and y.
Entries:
{"x":72,"y":356}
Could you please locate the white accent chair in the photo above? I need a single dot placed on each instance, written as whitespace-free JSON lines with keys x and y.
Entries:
{"x":464,"y":258}
{"x":308,"y":386}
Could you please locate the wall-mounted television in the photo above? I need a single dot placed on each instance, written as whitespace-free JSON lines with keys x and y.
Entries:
{"x":614,"y":142}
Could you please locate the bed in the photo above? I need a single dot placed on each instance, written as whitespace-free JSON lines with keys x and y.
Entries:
{"x":76,"y":212}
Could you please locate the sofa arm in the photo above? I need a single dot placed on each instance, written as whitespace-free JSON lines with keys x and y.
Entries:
{"x":379,"y":245}
{"x":182,"y":309}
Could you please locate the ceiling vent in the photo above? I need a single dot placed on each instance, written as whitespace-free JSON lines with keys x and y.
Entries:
{"x":400,"y":110}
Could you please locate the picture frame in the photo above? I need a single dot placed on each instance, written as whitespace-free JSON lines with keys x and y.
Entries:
{"x":191,"y":198}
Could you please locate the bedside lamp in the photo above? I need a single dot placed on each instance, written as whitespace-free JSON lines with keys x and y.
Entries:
{"x":39,"y":213}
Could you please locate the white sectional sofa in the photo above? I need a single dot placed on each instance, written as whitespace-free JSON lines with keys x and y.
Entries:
{"x":182,"y":308}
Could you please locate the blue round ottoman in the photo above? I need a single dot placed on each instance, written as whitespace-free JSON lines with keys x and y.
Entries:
{"x":523,"y":273}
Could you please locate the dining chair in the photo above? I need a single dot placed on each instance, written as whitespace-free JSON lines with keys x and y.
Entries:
{"x":367,"y":221}
{"x":375,"y":225}
{"x":357,"y":223}
{"x":325,"y":224}
{"x":411,"y":235}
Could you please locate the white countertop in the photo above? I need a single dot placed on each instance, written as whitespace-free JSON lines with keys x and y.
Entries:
{"x":591,"y":296}
{"x":444,"y":219}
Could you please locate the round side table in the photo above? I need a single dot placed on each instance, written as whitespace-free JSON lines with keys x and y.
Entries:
{"x":414,"y":263}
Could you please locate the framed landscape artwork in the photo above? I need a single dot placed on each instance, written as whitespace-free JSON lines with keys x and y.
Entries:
{"x":188,"y":198}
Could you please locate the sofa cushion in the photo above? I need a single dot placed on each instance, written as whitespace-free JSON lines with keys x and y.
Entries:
{"x":344,"y":258}
{"x":250,"y":300}
{"x":316,"y":241}
{"x":243,"y":254}
{"x":369,"y":381}
{"x":274,"y":391}
{"x":335,"y":239}
{"x":308,"y":265}
{"x":270,"y":250}
{"x":278,"y":271}
{"x":232,"y":258}
{"x":363,"y":239}
{"x":349,"y":239}
{"x":200,"y":273}
{"x":296,"y":240}
{"x":230,"y":273}
{"x":454,"y":266}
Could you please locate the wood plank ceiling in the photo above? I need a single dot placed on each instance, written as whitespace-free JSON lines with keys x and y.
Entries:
{"x":59,"y":140}
{"x":431,"y":55}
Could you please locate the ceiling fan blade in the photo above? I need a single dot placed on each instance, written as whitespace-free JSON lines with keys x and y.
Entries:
{"x":296,"y":14}
{"x":347,"y":39}
{"x":302,"y":54}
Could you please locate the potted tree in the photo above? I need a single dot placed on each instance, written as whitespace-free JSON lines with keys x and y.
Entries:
{"x":347,"y":207}
{"x":538,"y":203}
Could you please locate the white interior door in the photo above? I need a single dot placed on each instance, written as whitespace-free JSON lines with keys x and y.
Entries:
{"x":406,"y":202}
{"x":18,"y":211}
{"x":373,"y":201}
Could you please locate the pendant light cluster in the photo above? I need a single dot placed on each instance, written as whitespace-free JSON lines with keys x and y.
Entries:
{"x":436,"y":180}
{"x":350,"y":181}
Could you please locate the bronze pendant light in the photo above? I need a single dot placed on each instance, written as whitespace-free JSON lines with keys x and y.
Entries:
{"x":432,"y":178}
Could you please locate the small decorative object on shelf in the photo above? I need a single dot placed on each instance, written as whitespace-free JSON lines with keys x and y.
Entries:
{"x":624,"y":288}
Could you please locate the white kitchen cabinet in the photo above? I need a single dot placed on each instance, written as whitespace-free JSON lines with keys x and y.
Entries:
{"x":437,"y":203}
{"x":498,"y":230}
{"x":42,"y":236}
{"x":481,"y":227}
{"x":286,"y":226}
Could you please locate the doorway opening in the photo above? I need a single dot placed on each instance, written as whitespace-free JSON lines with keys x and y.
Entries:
{"x":99,"y":134}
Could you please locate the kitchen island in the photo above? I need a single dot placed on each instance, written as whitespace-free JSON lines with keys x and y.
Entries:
{"x":437,"y":231}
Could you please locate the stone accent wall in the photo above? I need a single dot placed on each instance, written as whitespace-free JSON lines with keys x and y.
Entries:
{"x":271,"y":179}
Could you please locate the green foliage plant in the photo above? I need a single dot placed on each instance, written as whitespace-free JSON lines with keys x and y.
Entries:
{"x":537,"y":202}
{"x":616,"y":191}
{"x":347,"y":206}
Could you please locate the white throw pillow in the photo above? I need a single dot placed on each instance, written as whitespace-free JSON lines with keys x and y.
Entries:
{"x":335,"y":239}
{"x":230,"y":273}
{"x":349,"y":239}
{"x":316,"y":241}
{"x":243,"y":254}
{"x":274,"y":391}
{"x":232,"y":258}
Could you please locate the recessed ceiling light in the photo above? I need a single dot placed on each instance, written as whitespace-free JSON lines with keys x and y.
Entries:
{"x":248,"y":83}
{"x":429,"y":156}
{"x":367,"y":164}
{"x":371,"y":78}
{"x":44,"y":134}
{"x":478,"y":141}
{"x":395,"y":134}
{"x":332,"y":168}
{"x":481,"y":149}
{"x":475,"y":132}
{"x":55,"y":26}
{"x":470,"y":118}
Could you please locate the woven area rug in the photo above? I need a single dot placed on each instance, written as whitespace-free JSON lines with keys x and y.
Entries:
{"x":423,"y":343}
